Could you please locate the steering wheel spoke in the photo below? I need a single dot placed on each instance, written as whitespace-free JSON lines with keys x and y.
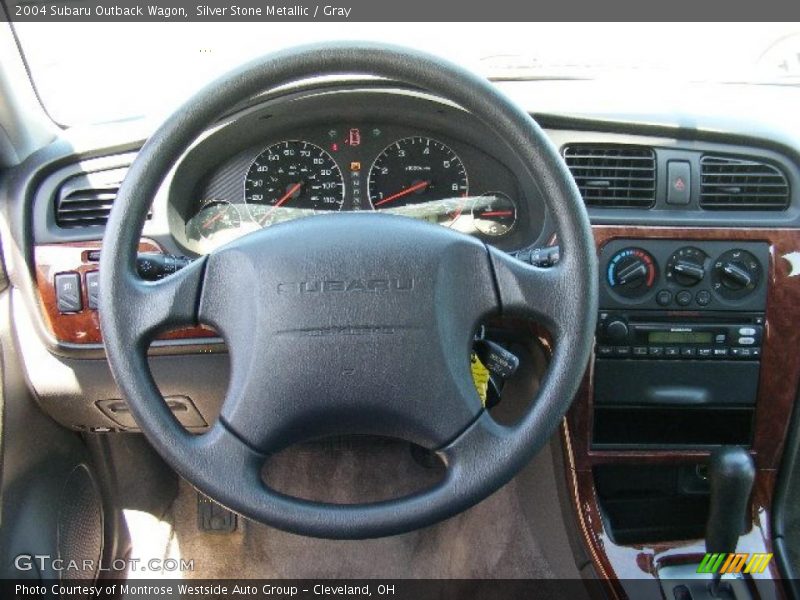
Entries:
{"x":154,"y":306}
{"x":533,"y":292}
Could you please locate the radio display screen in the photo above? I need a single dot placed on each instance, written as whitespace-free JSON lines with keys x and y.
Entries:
{"x":679,"y":337}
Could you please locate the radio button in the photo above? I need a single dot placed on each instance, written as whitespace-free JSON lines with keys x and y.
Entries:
{"x":704,"y":352}
{"x":742,"y":352}
{"x":720,"y":338}
{"x":747,"y":331}
{"x":671,"y":351}
{"x":687,"y":351}
{"x":747,"y":341}
{"x":623,"y":350}
{"x":720,"y":352}
{"x":605,"y":350}
{"x":656,"y":350}
{"x":640,"y":350}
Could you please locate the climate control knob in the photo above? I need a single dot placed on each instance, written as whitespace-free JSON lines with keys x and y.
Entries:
{"x":631,"y":272}
{"x":736,"y":274}
{"x":687,"y":266}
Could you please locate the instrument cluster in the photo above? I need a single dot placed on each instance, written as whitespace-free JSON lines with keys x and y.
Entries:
{"x":380,"y":169}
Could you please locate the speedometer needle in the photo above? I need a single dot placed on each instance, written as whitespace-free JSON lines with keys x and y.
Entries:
{"x":290,"y":192}
{"x":417,"y":186}
{"x":497,"y":213}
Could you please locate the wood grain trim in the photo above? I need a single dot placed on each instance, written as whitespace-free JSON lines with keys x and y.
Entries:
{"x":83,"y":327}
{"x":779,"y":378}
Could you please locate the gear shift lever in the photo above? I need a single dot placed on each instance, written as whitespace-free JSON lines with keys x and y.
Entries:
{"x":731,"y":473}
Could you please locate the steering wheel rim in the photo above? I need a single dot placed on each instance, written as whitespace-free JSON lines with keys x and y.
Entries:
{"x":459,"y":279}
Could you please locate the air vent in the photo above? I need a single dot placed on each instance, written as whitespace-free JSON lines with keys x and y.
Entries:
{"x":613,"y":176}
{"x":86,"y":200}
{"x":742,"y":184}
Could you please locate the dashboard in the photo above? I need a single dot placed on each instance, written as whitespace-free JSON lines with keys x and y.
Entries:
{"x":681,"y":301}
{"x":407,"y":164}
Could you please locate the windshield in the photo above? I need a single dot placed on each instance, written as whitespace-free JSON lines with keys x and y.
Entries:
{"x":96,"y":72}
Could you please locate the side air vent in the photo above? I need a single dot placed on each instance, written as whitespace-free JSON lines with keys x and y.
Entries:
{"x":86,"y":200}
{"x":613,"y":176}
{"x":742,"y":184}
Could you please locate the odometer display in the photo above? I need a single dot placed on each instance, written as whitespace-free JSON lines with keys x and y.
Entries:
{"x":415,"y":170}
{"x":294,"y":174}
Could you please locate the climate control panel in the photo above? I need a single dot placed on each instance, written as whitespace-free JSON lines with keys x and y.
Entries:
{"x":681,"y":275}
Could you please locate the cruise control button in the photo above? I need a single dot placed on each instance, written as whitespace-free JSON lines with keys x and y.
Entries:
{"x":683,"y":298}
{"x":68,"y":292}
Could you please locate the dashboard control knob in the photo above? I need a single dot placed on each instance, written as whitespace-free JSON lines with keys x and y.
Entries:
{"x":617,"y":331}
{"x":631,"y":272}
{"x":736,"y":274}
{"x":687,"y":266}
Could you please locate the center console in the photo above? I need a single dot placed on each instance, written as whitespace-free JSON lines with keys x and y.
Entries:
{"x":695,"y":352}
{"x":678,"y":343}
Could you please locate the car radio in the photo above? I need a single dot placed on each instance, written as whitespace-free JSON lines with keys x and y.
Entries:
{"x":624,"y":335}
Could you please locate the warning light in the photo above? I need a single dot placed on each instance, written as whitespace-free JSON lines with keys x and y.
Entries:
{"x":679,"y":184}
{"x":354,"y":137}
{"x":334,"y":147}
{"x":355,"y":165}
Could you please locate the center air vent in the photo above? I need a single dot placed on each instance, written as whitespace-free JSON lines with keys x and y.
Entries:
{"x":613,"y":176}
{"x":742,"y":184}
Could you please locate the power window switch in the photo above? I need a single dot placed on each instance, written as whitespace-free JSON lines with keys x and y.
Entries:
{"x":93,"y":289}
{"x":68,"y":292}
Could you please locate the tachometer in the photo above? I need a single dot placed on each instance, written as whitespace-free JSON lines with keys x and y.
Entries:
{"x":293,"y":174}
{"x":416,"y":170}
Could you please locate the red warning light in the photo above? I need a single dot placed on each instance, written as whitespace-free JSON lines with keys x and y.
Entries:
{"x":354,"y":137}
{"x":334,"y":147}
{"x":679,"y":184}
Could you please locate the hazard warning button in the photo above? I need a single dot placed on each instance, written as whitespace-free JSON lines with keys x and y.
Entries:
{"x":679,"y":189}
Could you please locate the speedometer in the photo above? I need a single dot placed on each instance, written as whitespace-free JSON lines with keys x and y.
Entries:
{"x":415,"y":170}
{"x":293,"y":175}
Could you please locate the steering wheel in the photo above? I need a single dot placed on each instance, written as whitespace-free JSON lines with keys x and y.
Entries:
{"x":349,"y":323}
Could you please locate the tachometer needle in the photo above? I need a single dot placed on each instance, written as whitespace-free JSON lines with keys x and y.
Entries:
{"x":283,"y":199}
{"x":417,"y":186}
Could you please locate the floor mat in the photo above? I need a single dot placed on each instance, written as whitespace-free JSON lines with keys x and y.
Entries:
{"x":517,"y":532}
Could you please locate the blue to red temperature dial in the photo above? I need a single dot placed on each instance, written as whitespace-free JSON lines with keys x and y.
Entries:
{"x":632,"y":272}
